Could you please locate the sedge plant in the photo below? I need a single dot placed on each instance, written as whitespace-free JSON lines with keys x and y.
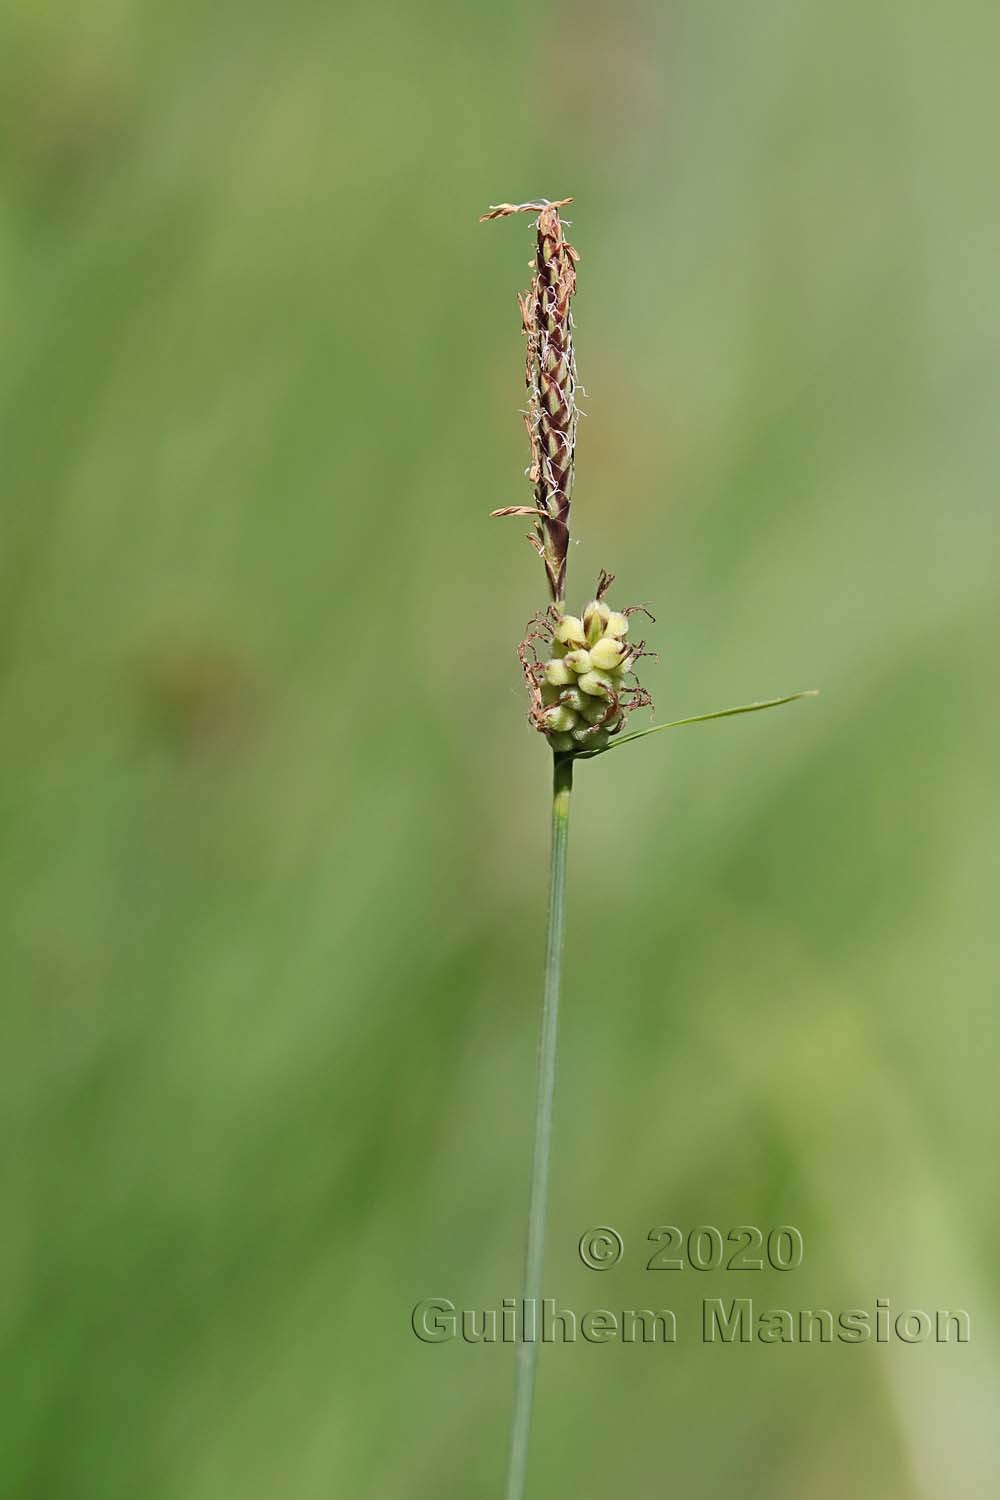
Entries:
{"x":581,"y":675}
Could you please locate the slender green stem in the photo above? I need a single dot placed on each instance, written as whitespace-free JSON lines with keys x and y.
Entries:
{"x":534,"y":1263}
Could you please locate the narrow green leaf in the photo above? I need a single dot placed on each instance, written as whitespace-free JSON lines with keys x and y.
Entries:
{"x":719,"y":713}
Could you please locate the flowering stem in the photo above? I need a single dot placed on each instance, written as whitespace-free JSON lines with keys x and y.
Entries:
{"x":527,"y":1349}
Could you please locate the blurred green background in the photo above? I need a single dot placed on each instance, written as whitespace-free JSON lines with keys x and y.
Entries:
{"x":275,"y":831}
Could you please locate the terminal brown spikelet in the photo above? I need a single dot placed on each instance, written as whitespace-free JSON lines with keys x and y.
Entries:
{"x":550,"y":376}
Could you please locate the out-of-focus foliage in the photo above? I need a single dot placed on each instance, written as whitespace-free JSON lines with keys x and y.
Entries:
{"x":274,"y":829}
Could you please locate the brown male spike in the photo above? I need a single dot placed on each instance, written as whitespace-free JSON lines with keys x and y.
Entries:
{"x":550,"y":377}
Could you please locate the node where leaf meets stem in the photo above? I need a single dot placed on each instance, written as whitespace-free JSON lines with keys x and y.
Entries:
{"x":534,"y":1262}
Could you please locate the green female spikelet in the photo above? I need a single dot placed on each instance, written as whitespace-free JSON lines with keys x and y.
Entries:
{"x":580,"y":674}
